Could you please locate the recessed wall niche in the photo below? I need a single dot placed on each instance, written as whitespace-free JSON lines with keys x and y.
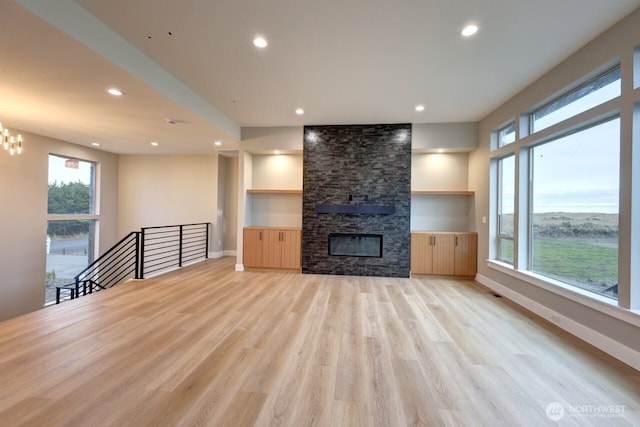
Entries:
{"x":357,"y":180}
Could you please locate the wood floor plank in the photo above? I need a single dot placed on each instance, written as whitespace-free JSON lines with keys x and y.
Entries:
{"x":209,"y":346}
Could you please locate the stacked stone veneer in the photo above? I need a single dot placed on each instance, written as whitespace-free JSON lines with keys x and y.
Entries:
{"x":357,"y":161}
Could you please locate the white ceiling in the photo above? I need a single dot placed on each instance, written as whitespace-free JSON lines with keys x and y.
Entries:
{"x":343,"y":61}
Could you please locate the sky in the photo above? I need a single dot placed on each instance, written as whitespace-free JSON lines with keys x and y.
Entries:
{"x":579,"y":172}
{"x":61,"y":174}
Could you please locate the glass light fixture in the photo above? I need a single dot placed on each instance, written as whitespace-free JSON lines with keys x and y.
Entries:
{"x":9,"y":143}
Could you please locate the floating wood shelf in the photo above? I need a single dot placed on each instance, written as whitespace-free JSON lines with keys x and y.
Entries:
{"x":272,"y":191}
{"x":442,"y":193}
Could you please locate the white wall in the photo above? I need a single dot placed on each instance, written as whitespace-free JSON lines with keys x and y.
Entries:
{"x":283,"y":172}
{"x":439,"y":172}
{"x":23,"y":217}
{"x":278,"y":172}
{"x":450,"y":136}
{"x":228,"y":202}
{"x":156,"y":190}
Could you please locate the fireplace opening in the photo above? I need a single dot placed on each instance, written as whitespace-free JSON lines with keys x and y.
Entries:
{"x":350,"y":244}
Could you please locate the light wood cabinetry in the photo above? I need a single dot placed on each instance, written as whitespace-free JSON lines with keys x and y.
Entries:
{"x":272,"y":247}
{"x":443,"y":253}
{"x":466,"y":254}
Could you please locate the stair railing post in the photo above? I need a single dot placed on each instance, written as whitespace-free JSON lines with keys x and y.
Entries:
{"x":206,"y":249}
{"x":142,"y":253}
{"x":77,"y":286}
{"x":137,"y":256}
{"x":180,"y":249}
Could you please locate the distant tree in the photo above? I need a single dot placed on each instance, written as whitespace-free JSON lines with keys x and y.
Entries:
{"x":69,"y":198}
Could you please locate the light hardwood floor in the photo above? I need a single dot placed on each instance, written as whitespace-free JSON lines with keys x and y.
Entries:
{"x":209,"y":346}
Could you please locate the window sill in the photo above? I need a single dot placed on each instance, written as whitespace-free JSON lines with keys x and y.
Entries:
{"x":588,"y":299}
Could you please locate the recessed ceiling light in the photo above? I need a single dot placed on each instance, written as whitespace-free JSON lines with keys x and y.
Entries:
{"x":276,"y":152}
{"x":155,"y":144}
{"x":115,"y":91}
{"x":260,"y":42}
{"x":420,"y":107}
{"x":217,"y":143}
{"x":469,"y":30}
{"x":299,"y":111}
{"x":95,"y":144}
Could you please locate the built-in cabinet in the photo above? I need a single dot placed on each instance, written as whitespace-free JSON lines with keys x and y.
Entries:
{"x":272,"y":247}
{"x":444,"y":253}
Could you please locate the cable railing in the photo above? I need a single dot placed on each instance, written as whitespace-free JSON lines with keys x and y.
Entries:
{"x":152,"y":250}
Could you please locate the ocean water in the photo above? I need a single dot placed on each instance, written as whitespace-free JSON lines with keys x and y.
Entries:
{"x":597,"y":201}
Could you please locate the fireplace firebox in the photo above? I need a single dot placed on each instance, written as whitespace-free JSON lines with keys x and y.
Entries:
{"x":355,"y":244}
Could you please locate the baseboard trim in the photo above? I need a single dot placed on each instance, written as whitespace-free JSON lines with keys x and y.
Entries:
{"x":220,"y":254}
{"x":602,"y":342}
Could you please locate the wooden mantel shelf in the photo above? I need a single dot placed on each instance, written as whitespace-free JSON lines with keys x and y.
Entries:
{"x":272,"y":191}
{"x":442,"y":193}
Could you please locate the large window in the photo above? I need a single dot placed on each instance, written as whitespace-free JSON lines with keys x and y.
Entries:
{"x":587,"y":96}
{"x":565,"y":226}
{"x":71,"y":221}
{"x":506,"y":201}
{"x":574,"y":216}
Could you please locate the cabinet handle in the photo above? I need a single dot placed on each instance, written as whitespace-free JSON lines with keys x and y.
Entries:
{"x":281,"y":236}
{"x":434,"y":240}
{"x":456,"y":240}
{"x":261,"y":235}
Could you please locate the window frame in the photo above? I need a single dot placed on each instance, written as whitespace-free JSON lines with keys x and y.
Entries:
{"x":584,"y":126}
{"x":93,"y":216}
{"x":567,"y":95}
{"x":500,"y":236}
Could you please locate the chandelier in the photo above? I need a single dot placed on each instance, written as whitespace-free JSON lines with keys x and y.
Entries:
{"x":9,"y":143}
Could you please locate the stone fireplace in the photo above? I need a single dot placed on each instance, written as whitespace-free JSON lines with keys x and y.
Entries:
{"x":357,"y":200}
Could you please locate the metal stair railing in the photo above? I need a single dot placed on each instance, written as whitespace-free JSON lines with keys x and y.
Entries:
{"x":152,"y":250}
{"x":167,"y":247}
{"x":115,"y":266}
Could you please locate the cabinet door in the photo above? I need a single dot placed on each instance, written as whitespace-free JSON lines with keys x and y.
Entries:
{"x":421,"y":253}
{"x":466,"y":254}
{"x":291,"y":249}
{"x":253,"y":248}
{"x":443,"y":253}
{"x":272,"y":254}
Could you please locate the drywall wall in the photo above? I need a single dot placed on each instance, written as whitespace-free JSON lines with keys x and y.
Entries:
{"x":267,"y":139}
{"x":23,"y":217}
{"x":439,"y":172}
{"x":448,"y":136}
{"x":228,"y":202}
{"x":157,"y":190}
{"x":277,"y":171}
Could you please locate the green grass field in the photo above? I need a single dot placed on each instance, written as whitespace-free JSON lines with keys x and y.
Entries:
{"x":579,"y":249}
